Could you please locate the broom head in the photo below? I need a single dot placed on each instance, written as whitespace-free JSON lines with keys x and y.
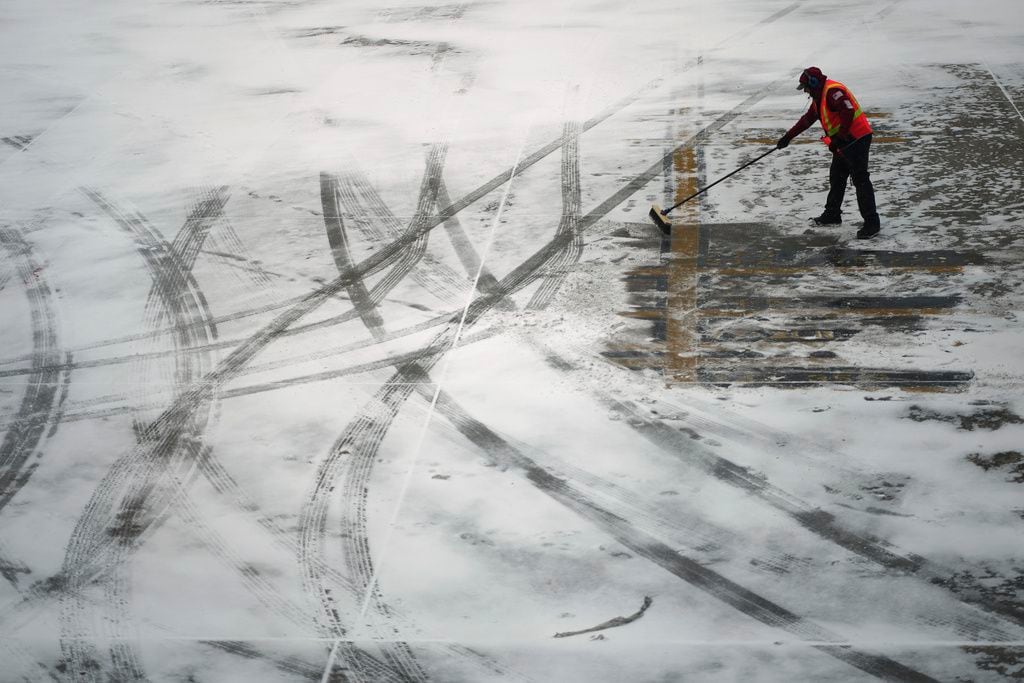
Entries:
{"x":661,"y":220}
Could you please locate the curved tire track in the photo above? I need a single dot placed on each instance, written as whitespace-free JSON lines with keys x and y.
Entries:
{"x":313,"y":518}
{"x":142,"y":486}
{"x":38,"y":414}
{"x":364,"y":305}
{"x":368,"y":209}
{"x":653,"y":549}
{"x":350,"y":462}
{"x":569,"y":222}
{"x":164,"y":433}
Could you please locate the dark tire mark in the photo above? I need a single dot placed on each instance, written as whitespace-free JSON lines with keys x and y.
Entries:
{"x":569,"y":222}
{"x":281,"y":325}
{"x":18,"y":142}
{"x":387,"y":255}
{"x":225,"y":243}
{"x":351,"y":460}
{"x":819,"y":522}
{"x":337,"y":238}
{"x":374,"y":264}
{"x":466,"y":253}
{"x":501,"y":453}
{"x":144,"y":490}
{"x":352,"y":456}
{"x":38,"y":412}
{"x":11,"y":568}
{"x":313,"y":519}
{"x":169,"y":427}
{"x":17,"y":658}
{"x":438,"y":279}
{"x":397,"y":654}
{"x":289,"y":665}
{"x":382,"y":258}
{"x":163,"y":434}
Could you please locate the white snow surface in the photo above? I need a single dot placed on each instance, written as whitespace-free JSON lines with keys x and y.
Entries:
{"x":297,"y":383}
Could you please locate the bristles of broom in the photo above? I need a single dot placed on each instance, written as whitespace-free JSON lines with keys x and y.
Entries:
{"x":661,"y":220}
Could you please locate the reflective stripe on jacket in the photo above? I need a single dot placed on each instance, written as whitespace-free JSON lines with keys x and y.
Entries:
{"x":830,"y":120}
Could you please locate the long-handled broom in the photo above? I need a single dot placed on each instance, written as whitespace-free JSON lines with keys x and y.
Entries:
{"x":660,"y":217}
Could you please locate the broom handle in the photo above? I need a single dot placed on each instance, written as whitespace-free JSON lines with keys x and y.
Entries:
{"x":752,"y":161}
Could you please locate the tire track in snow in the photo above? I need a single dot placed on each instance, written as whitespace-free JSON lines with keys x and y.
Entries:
{"x":189,"y":242}
{"x":354,"y":455}
{"x":569,"y":222}
{"x":353,"y":469}
{"x":355,"y":477}
{"x":185,"y":247}
{"x":453,"y":208}
{"x":225,"y":243}
{"x":398,"y":654}
{"x":170,"y":427}
{"x":364,"y":306}
{"x":167,"y":429}
{"x":125,"y":661}
{"x":134,"y":485}
{"x":736,"y":595}
{"x":820,"y":522}
{"x":38,"y":413}
{"x":501,"y":453}
{"x":466,"y":253}
{"x":640,"y":542}
{"x":437,"y":278}
{"x":383,"y":258}
{"x":290,"y":665}
{"x":814,"y":515}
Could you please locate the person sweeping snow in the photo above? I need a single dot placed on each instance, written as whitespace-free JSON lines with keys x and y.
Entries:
{"x":848,"y":136}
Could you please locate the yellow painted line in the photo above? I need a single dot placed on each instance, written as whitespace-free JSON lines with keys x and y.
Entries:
{"x":681,"y":340}
{"x":637,"y":363}
{"x":646,"y":314}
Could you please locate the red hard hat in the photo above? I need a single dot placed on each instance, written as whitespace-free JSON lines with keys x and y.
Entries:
{"x":812,"y":78}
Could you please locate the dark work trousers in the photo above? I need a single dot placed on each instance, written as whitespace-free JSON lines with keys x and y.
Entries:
{"x":852,"y":163}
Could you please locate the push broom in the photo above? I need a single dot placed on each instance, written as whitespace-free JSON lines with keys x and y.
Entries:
{"x":660,"y":217}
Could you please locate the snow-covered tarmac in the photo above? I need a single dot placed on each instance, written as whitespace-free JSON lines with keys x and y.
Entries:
{"x":336,"y":344}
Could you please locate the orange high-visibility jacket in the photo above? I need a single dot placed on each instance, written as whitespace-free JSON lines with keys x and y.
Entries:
{"x":831,"y":121}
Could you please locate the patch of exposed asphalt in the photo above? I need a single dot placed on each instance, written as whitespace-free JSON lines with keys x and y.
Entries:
{"x":412,"y":47}
{"x":970,"y":148}
{"x":1013,"y":461}
{"x":1008,"y":662}
{"x":991,"y":418}
{"x":1005,"y":588}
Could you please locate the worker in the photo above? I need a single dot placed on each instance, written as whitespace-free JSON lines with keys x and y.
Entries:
{"x":848,"y":136}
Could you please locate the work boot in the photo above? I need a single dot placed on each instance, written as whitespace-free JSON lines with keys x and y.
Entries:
{"x":828,"y":219}
{"x":867,"y":231}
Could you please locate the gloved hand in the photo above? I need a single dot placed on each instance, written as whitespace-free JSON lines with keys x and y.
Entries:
{"x":783,"y":142}
{"x":833,"y":146}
